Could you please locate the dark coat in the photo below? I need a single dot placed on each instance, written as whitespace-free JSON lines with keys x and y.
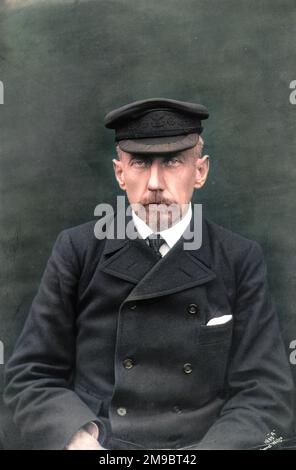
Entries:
{"x":116,"y":337}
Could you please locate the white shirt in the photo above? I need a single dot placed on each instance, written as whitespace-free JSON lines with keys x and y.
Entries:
{"x":170,"y":235}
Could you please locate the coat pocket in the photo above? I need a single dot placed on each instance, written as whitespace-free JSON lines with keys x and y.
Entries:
{"x":89,"y":398}
{"x":210,"y":334}
{"x":213,"y":349}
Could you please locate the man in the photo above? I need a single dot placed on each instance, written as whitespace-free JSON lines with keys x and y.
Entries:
{"x":140,"y":343}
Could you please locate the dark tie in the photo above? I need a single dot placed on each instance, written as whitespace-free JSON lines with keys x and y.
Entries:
{"x":155,"y":241}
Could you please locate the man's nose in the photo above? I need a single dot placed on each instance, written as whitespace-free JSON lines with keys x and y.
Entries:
{"x":156,"y":177}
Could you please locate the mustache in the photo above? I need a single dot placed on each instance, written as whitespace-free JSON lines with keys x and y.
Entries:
{"x":157,"y":200}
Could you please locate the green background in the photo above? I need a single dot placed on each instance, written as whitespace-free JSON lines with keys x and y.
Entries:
{"x":65,"y":64}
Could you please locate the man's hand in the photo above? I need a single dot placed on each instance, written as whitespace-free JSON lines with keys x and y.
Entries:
{"x":86,"y":439}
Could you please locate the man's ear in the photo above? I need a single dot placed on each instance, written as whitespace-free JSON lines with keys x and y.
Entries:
{"x":202,"y":170}
{"x":118,"y":170}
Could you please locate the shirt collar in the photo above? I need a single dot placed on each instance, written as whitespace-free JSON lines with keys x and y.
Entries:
{"x":170,"y":235}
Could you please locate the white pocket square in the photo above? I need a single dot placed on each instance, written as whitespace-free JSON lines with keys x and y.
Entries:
{"x":219,"y":320}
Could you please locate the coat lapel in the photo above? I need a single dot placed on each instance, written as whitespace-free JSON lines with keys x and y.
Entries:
{"x":134,"y":261}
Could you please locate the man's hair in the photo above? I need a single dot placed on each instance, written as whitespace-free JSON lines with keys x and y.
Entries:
{"x":199,"y":146}
{"x":118,"y":150}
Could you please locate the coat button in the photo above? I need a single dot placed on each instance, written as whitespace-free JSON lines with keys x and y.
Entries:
{"x":128,"y":363}
{"x":192,"y":309}
{"x":121,"y":411}
{"x":187,"y":368}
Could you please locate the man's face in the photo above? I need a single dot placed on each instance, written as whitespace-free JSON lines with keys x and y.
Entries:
{"x":161,"y":185}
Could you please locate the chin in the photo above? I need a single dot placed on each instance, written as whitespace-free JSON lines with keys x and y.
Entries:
{"x":159,"y":220}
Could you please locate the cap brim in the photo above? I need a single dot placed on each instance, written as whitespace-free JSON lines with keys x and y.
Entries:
{"x":166,"y":144}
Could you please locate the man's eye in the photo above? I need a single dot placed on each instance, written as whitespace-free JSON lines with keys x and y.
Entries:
{"x":140,"y":163}
{"x":172,"y":162}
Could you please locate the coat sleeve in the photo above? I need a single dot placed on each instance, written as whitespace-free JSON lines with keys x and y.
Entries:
{"x":259,"y":383}
{"x":38,"y":375}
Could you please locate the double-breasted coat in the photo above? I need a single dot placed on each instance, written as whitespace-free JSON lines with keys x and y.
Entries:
{"x":117,"y":337}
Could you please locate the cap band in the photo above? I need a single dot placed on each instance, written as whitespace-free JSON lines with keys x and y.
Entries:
{"x":158,"y":123}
